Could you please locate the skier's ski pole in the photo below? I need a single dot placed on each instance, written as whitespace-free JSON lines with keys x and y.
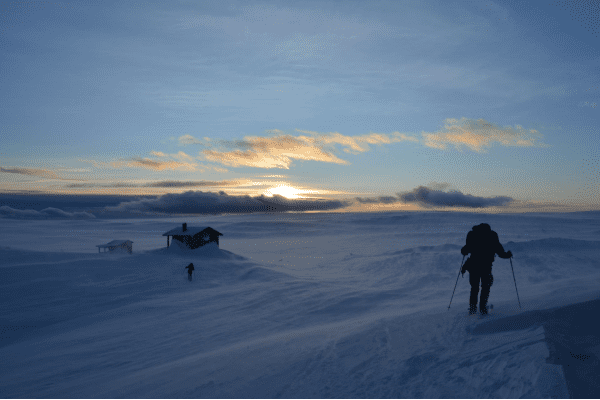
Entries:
{"x":461,"y":265}
{"x":513,"y":271}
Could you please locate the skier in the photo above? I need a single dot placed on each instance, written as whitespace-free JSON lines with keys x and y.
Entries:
{"x":483,"y":244}
{"x":190,"y":269}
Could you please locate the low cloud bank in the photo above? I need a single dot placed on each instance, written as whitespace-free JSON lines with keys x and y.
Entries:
{"x":280,"y":203}
{"x":436,"y":196}
{"x":378,"y":200}
{"x":427,"y":197}
{"x":197,"y":202}
{"x":46,"y":213}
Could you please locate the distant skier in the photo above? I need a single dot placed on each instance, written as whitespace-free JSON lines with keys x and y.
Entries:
{"x":483,"y":244}
{"x":190,"y":269}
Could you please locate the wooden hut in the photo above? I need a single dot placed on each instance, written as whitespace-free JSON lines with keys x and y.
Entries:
{"x":116,"y":245}
{"x":193,"y":237}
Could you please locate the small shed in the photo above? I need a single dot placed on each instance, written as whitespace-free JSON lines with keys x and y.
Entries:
{"x":193,"y":237}
{"x":116,"y":245}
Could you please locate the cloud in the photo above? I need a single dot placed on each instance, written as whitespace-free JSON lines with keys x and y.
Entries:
{"x":104,"y":185}
{"x":46,"y":213}
{"x":356,"y":144}
{"x":276,"y":152}
{"x":480,"y":134}
{"x":156,"y":164}
{"x":427,"y":197}
{"x":179,"y":156}
{"x":378,"y":200}
{"x":240,"y":144}
{"x":182,"y":161}
{"x":41,"y":173}
{"x":79,"y":185}
{"x":137,"y":162}
{"x":279,"y":151}
{"x":189,"y":139}
{"x":443,"y":186}
{"x":239,"y":158}
{"x":197,"y":202}
{"x":280,"y":203}
{"x":179,"y":184}
{"x":158,"y":184}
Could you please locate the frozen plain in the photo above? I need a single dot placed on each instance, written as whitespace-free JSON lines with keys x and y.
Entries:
{"x":299,"y":305}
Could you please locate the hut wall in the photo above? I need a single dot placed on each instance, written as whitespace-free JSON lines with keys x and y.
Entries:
{"x":123,"y":246}
{"x":193,"y":242}
{"x":182,"y":239}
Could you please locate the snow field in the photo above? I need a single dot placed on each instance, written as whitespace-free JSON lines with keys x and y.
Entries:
{"x":355,"y":320}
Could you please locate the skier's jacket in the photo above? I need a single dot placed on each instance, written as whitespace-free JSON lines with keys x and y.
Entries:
{"x":483,"y":244}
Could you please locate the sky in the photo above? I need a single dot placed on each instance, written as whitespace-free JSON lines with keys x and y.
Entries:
{"x":357,"y":106}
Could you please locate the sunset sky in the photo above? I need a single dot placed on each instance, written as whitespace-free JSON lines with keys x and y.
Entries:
{"x":401,"y":105}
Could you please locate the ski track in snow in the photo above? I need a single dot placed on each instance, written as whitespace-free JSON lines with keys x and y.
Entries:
{"x":299,"y":306}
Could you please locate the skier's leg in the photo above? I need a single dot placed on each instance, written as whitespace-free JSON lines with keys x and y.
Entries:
{"x":474,"y":281}
{"x":486,"y":282}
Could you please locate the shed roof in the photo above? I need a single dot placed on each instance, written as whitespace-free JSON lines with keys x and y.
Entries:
{"x":114,"y":243}
{"x":190,"y":231}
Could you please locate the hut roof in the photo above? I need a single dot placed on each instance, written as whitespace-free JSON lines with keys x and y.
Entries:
{"x":113,"y":243}
{"x":190,"y":231}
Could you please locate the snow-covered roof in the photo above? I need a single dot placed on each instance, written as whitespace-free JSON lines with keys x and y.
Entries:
{"x":190,"y":231}
{"x":114,"y":243}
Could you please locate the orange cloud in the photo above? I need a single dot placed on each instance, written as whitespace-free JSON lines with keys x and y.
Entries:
{"x":357,"y":144}
{"x":279,"y":151}
{"x":480,"y":134}
{"x":239,"y":158}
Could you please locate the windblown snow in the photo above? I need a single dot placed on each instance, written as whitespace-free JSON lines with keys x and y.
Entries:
{"x":298,"y":306}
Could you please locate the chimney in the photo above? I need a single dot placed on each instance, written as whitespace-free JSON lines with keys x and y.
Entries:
{"x":184,"y":227}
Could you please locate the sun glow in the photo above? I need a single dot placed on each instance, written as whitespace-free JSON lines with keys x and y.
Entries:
{"x":286,"y":191}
